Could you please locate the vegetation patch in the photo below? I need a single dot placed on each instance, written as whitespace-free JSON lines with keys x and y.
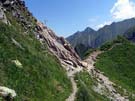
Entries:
{"x":109,"y":45}
{"x":85,"y":88}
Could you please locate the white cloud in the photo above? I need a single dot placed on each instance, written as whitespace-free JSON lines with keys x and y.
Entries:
{"x":123,"y":9}
{"x":103,"y":24}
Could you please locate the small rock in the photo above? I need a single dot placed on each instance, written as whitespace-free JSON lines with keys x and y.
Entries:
{"x":17,"y":63}
{"x":5,"y":92}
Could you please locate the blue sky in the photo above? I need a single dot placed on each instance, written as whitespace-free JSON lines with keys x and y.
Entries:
{"x":66,"y":17}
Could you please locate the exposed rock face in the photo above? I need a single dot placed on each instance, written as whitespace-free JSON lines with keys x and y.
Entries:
{"x":2,"y":15}
{"x":17,"y":9}
{"x":58,"y":45}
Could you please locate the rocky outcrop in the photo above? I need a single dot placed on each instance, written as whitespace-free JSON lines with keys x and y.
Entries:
{"x":2,"y":15}
{"x":18,"y":10}
{"x":58,"y":45}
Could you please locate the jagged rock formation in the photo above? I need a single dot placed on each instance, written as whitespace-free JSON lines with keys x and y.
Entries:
{"x":2,"y":15}
{"x":16,"y":7}
{"x":58,"y":45}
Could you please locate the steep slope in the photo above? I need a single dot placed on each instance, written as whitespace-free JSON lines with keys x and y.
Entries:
{"x":29,"y":69}
{"x":94,"y":39}
{"x":32,"y":57}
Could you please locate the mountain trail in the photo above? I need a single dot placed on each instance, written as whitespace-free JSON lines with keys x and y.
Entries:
{"x":104,"y":84}
{"x":74,"y":88}
{"x":71,"y":73}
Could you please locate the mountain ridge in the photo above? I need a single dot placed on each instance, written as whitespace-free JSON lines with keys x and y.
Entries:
{"x":95,"y":39}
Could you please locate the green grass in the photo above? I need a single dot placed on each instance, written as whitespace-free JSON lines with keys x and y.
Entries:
{"x":41,"y":77}
{"x":85,"y":91}
{"x":119,"y":65}
{"x":108,"y":45}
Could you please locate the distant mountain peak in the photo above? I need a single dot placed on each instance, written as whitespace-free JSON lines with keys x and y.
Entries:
{"x":88,"y":29}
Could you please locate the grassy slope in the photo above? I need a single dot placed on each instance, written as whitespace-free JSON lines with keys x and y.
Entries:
{"x":41,"y":78}
{"x":119,"y":65}
{"x":85,"y":91}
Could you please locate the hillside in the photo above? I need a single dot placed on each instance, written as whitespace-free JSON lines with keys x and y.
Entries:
{"x":82,"y":41}
{"x":29,"y":67}
{"x":118,"y":63}
{"x":38,"y":74}
{"x":33,"y":60}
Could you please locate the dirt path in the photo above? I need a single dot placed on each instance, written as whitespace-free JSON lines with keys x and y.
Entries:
{"x":71,"y":73}
{"x":74,"y":88}
{"x":117,"y":44}
{"x":105,"y":86}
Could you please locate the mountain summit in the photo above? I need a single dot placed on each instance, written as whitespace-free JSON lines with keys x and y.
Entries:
{"x":88,"y":29}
